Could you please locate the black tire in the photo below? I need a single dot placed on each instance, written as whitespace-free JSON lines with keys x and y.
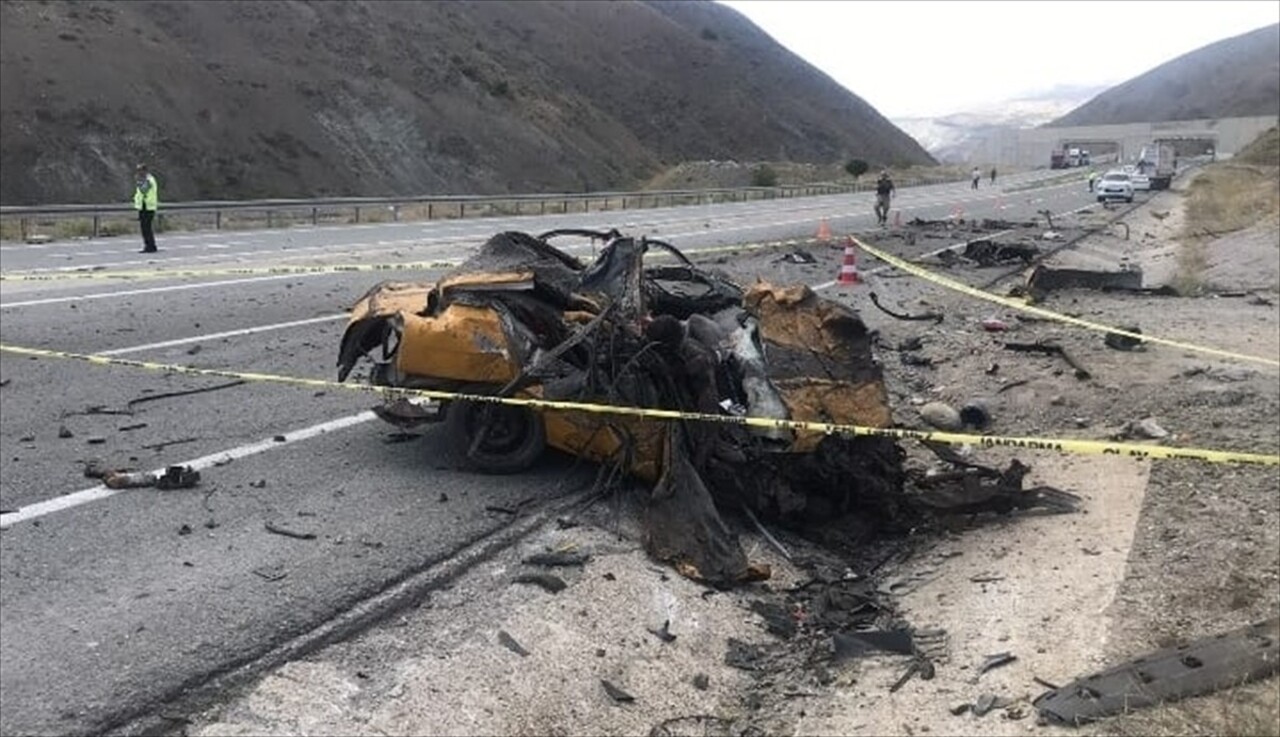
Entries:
{"x":514,"y":437}
{"x":1129,"y":198}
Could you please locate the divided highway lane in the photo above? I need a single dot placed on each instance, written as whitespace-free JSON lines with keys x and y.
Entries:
{"x":110,"y":606}
{"x":719,"y":224}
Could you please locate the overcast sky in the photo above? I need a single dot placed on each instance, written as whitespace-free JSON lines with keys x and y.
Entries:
{"x":917,"y":58}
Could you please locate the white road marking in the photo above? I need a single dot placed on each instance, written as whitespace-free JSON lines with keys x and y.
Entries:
{"x":219,"y":336}
{"x":150,"y":290}
{"x":57,"y":504}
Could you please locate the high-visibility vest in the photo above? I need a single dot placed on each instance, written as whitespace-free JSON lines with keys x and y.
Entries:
{"x":149,"y":200}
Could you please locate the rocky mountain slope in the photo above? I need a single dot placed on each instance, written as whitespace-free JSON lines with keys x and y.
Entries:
{"x":278,"y":98}
{"x":1235,"y":77}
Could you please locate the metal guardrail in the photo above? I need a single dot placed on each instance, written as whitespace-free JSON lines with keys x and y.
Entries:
{"x":442,"y":205}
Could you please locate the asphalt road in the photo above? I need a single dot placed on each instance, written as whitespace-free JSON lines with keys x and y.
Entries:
{"x":112,"y":604}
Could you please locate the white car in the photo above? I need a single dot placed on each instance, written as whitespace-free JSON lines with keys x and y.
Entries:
{"x":1114,"y":185}
{"x":1140,"y":182}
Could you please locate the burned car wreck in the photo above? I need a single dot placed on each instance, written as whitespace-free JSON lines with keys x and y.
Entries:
{"x":522,"y":318}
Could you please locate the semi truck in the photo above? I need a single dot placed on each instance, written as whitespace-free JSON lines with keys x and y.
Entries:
{"x":1159,"y":161}
{"x":1068,"y":157}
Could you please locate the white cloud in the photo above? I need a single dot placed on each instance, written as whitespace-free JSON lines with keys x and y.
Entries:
{"x":921,"y":58}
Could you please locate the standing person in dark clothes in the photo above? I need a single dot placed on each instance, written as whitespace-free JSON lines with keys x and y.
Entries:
{"x":884,"y":195}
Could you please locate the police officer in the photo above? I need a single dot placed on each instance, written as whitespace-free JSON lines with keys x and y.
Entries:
{"x":146,"y":200}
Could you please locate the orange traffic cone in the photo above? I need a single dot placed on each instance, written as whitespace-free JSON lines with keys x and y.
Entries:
{"x":824,"y":231}
{"x":849,"y":269}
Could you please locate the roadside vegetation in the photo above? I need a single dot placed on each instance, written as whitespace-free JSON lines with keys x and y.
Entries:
{"x":1227,"y":197}
{"x":1251,"y":710}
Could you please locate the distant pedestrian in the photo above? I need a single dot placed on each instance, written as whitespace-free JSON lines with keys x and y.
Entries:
{"x":884,"y":195}
{"x":146,"y":200}
{"x":977,"y":176}
{"x":1093,"y":176}
{"x":993,"y":176}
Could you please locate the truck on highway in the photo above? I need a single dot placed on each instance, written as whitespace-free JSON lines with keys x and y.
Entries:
{"x":1159,"y":162}
{"x":1067,"y":158}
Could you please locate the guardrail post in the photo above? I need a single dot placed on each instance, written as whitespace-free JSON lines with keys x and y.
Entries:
{"x":430,"y":210}
{"x":544,"y":207}
{"x":315,"y":216}
{"x":624,"y":203}
{"x":357,"y":213}
{"x":271,"y":220}
{"x":395,"y":213}
{"x":22,"y":227}
{"x":462,"y":211}
{"x":95,"y":225}
{"x":217,"y":219}
{"x":564,"y":207}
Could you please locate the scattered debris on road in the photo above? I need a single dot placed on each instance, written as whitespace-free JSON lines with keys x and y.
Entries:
{"x":286,"y":532}
{"x":1052,"y":349}
{"x":128,"y":479}
{"x":550,"y":583}
{"x":1123,"y":342}
{"x":995,"y":661}
{"x":618,"y":695}
{"x":558,"y":558}
{"x":178,"y":477}
{"x":510,"y":643}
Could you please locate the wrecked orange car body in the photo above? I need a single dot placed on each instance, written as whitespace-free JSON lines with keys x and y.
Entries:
{"x":450,"y":335}
{"x":522,"y":318}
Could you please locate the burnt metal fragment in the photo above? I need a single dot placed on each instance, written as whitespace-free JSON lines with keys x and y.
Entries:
{"x":178,"y":477}
{"x":1209,"y":664}
{"x":510,"y":643}
{"x":847,"y":645}
{"x":664,"y":633}
{"x":558,"y":559}
{"x":1123,"y":342}
{"x":778,"y":620}
{"x":995,"y":661}
{"x":933,"y":316}
{"x":989,"y":253}
{"x":1051,"y":349}
{"x":286,"y":532}
{"x":1045,"y":279}
{"x":742,"y":655}
{"x":553,"y":584}
{"x":618,"y":695}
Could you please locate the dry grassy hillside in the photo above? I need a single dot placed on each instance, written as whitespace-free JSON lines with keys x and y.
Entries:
{"x":296,"y":99}
{"x":1235,"y":77}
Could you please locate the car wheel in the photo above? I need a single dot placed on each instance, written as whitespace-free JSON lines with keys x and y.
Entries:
{"x":494,"y":438}
{"x":1129,"y":198}
{"x":1102,"y":199}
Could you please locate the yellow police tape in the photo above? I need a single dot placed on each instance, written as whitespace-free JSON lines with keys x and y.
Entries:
{"x":1083,"y":447}
{"x":1048,"y":314}
{"x":227,"y":271}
